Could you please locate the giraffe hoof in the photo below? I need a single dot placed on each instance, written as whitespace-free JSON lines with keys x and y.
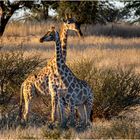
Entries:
{"x":72,"y":124}
{"x":51,"y":126}
{"x":63,"y":126}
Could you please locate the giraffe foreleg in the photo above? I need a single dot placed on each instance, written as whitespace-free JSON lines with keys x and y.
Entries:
{"x":28,"y":93}
{"x":54,"y":102}
{"x":82,"y":114}
{"x":89,"y":108}
{"x":62,"y":112}
{"x":72,"y":115}
{"x":26,"y":110}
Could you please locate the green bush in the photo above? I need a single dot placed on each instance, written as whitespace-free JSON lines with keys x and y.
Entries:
{"x":14,"y":67}
{"x":114,"y":89}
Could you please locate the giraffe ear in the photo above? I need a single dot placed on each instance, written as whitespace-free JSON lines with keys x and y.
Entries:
{"x":64,"y":20}
{"x":52,"y":28}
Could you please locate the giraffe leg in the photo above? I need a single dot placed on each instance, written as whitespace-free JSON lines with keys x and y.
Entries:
{"x":82,"y":114}
{"x":54,"y":102}
{"x":72,"y":115}
{"x":26,"y":110}
{"x":89,"y":107}
{"x":28,"y":93}
{"x":54,"y":97}
{"x":62,"y":112}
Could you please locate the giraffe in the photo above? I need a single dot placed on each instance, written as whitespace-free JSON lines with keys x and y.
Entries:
{"x":39,"y":82}
{"x":66,"y":87}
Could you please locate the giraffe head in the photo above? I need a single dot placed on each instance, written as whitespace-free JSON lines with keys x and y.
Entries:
{"x":71,"y":24}
{"x":51,"y":35}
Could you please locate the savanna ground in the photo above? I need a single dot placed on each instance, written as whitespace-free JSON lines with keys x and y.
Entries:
{"x":108,"y":58}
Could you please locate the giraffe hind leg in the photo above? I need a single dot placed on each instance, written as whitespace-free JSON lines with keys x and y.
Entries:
{"x":62,"y":112}
{"x":54,"y":108}
{"x":26,"y":109}
{"x":89,"y":109}
{"x":72,"y":116}
{"x":82,"y":114}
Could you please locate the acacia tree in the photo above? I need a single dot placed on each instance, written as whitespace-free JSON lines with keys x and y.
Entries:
{"x":89,"y":11}
{"x":7,"y":9}
{"x":83,"y":11}
{"x":133,"y":5}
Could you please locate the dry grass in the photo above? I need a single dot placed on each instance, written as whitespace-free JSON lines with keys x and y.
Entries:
{"x":106,"y":52}
{"x":37,"y":28}
{"x":101,"y":129}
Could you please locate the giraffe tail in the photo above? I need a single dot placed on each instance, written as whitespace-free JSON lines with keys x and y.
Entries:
{"x":21,"y":102}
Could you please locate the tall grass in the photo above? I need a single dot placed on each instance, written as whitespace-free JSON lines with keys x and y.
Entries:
{"x":37,"y":28}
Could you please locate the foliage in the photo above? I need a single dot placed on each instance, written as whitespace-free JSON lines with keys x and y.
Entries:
{"x":79,"y":10}
{"x":13,"y":70}
{"x":107,"y":12}
{"x":133,"y":5}
{"x":89,"y":11}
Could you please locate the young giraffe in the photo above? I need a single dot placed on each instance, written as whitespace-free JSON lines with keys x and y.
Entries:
{"x":66,"y":87}
{"x":39,"y":82}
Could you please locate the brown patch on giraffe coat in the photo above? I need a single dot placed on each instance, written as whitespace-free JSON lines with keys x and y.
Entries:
{"x":66,"y":82}
{"x":79,"y":96}
{"x":70,"y":90}
{"x":71,"y":100}
{"x":72,"y":85}
{"x":70,"y":79}
{"x":74,"y":95}
{"x":85,"y":91}
{"x":76,"y":90}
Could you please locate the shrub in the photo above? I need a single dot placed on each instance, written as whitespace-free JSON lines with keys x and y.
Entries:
{"x":13,"y":70}
{"x":114,"y":89}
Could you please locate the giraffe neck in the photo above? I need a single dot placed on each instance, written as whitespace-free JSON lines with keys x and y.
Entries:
{"x":58,"y":52}
{"x":62,"y":68}
{"x":63,"y":38}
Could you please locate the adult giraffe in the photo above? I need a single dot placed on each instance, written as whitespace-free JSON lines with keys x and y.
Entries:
{"x":65,"y":87}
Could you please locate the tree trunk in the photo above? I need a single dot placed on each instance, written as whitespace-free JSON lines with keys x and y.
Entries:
{"x":3,"y":23}
{"x":45,"y":13}
{"x":6,"y":13}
